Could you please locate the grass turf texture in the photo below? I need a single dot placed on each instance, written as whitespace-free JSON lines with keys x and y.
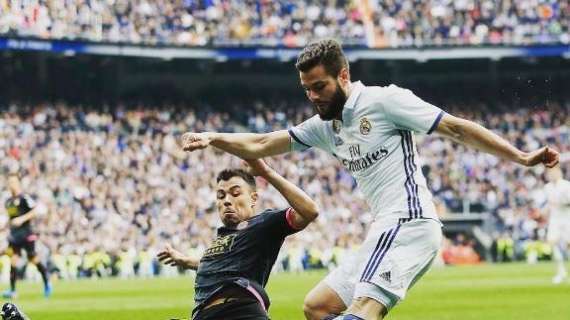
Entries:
{"x":511,"y":291}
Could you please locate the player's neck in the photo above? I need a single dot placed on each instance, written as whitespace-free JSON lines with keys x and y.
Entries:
{"x":339,"y":115}
{"x":347,"y":90}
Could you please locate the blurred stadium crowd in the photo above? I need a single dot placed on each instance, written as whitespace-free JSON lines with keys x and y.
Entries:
{"x":291,"y":23}
{"x":114,"y":188}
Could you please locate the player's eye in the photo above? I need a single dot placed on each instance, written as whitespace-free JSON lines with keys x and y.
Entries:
{"x":221,"y":194}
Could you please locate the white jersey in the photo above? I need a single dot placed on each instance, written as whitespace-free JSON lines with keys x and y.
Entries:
{"x":558,"y":199}
{"x":375,"y":143}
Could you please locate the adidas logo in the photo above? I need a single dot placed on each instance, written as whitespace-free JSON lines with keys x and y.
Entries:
{"x":387,"y":276}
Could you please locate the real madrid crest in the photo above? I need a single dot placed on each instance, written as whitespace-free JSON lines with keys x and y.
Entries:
{"x":365,"y":126}
{"x":338,"y":141}
{"x":336,"y":124}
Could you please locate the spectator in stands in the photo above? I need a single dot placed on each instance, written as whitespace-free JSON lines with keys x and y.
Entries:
{"x":74,"y":161}
{"x":291,"y":23}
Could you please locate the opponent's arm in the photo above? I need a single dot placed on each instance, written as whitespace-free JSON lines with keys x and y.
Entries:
{"x":305,"y":209}
{"x":175,"y":258}
{"x":473,"y":135}
{"x":243,"y":145}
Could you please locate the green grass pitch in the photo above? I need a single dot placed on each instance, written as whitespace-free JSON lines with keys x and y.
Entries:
{"x":511,"y":291}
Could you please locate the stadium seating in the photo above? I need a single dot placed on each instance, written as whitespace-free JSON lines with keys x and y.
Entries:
{"x":291,"y":23}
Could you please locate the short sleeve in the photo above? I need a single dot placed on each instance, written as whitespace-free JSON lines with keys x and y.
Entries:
{"x":278,"y":222}
{"x":310,"y":133}
{"x":407,"y":111}
{"x":29,"y":201}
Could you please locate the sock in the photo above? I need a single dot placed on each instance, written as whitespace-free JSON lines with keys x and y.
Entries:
{"x":559,"y":259}
{"x":43,"y":271}
{"x":13,"y":278}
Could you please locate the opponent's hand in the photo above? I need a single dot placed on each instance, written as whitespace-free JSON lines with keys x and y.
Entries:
{"x":191,"y":141}
{"x":171,"y":257}
{"x":546,"y":155}
{"x":257,"y":167}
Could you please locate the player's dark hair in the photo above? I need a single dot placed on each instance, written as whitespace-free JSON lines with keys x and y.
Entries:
{"x":324,"y":52}
{"x":227,"y":174}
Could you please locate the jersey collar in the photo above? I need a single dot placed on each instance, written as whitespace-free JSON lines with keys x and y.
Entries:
{"x":355,"y":90}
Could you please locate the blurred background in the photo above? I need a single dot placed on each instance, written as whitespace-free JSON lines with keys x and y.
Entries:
{"x":94,"y":93}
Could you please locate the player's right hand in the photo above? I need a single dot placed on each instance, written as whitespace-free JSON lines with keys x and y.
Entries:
{"x":171,"y":257}
{"x":257,"y":167}
{"x":191,"y":141}
{"x":546,"y":155}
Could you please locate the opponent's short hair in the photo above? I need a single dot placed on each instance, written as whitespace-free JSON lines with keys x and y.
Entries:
{"x":227,"y":174}
{"x":326,"y":52}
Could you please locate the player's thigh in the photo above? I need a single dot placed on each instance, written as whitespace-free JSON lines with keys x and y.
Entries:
{"x":323,"y":299}
{"x":30,"y":248}
{"x":555,"y":232}
{"x":248,"y":309}
{"x":14,"y":252}
{"x":404,"y":253}
{"x":342,"y":280}
{"x":565,"y":232}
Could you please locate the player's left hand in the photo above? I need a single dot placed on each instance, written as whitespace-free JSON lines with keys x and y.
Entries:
{"x":546,"y":155}
{"x":257,"y":167}
{"x":171,"y":256}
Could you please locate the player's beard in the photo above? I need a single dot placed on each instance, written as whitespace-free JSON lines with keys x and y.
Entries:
{"x":334,"y":108}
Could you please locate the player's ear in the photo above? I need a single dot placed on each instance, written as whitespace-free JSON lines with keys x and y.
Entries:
{"x":344,"y":76}
{"x":254,"y":197}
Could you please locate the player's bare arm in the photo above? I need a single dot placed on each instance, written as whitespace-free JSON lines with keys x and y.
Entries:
{"x":18,"y":221}
{"x":175,"y":258}
{"x":474,"y":135}
{"x":243,"y":145}
{"x":304,"y":208}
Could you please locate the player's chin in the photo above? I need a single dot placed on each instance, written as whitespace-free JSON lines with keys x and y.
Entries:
{"x":325,"y":112}
{"x":230,"y":219}
{"x":326,"y":116}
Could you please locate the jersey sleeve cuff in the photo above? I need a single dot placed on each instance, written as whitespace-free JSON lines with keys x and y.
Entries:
{"x":290,"y":217}
{"x":294,"y":136}
{"x":436,"y":122}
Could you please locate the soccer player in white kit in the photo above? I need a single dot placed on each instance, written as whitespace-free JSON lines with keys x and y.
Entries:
{"x":371,"y":130}
{"x":557,"y":192}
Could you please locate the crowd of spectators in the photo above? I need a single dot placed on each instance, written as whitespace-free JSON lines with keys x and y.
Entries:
{"x":115,"y":188}
{"x":290,"y":23}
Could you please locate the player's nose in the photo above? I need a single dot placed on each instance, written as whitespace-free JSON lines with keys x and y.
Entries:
{"x":313,"y":96}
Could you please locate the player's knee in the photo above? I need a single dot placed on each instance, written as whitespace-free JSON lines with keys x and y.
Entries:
{"x":313,"y":309}
{"x":321,"y":302}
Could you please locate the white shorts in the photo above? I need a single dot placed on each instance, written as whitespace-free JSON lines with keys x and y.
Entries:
{"x":391,"y":259}
{"x":559,"y":230}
